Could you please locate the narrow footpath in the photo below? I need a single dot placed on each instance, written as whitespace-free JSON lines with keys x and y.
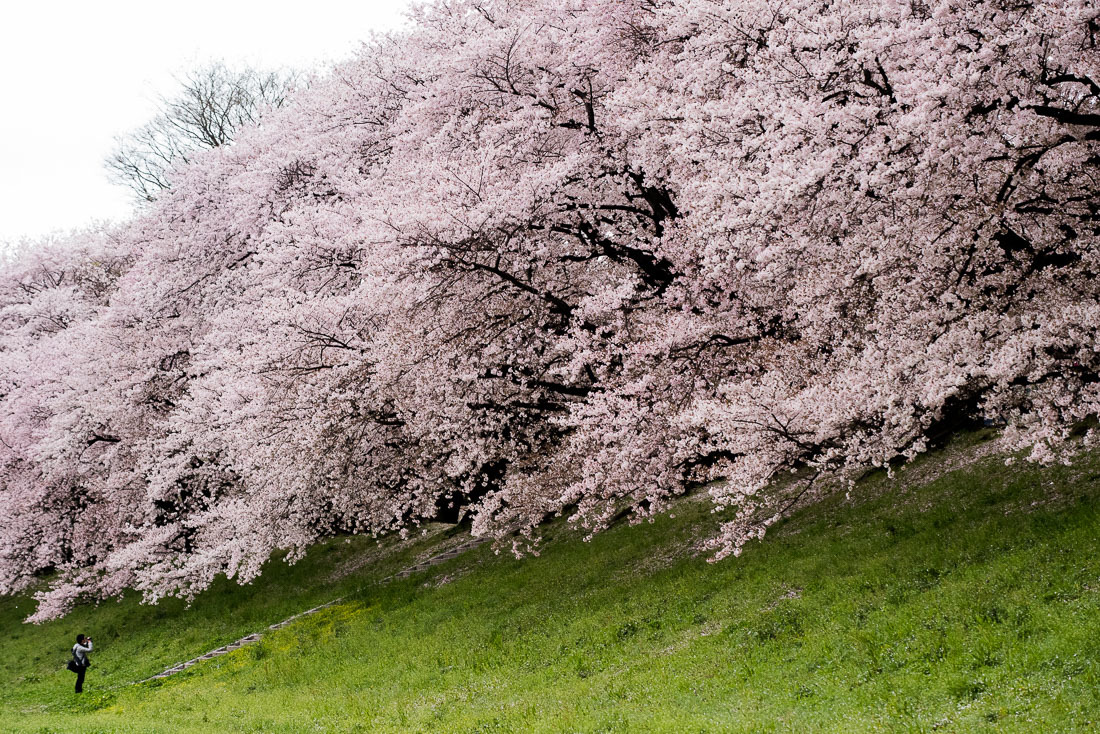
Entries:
{"x":257,"y":636}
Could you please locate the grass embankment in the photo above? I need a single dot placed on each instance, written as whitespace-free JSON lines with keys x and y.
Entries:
{"x":970,"y":602}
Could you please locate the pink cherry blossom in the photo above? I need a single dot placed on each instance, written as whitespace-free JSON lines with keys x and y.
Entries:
{"x":531,"y":259}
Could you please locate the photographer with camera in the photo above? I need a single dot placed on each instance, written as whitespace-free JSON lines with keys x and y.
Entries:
{"x":79,"y":664}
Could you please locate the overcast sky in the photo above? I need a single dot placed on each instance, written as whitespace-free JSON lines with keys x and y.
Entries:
{"x":76,"y":74}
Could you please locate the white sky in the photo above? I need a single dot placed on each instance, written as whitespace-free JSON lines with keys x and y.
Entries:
{"x":75,"y":74}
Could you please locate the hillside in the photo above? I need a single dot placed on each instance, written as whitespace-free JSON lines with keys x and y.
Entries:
{"x":962,"y":595}
{"x":528,"y":258}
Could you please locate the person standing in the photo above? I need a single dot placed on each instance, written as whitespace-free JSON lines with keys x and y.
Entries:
{"x":81,"y":649}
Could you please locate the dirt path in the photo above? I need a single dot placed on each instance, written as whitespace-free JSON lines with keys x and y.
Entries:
{"x":257,"y":636}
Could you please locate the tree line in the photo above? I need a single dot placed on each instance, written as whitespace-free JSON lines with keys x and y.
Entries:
{"x":531,"y":259}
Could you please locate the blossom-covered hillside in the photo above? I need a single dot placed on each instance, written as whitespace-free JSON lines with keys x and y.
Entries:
{"x":537,"y":257}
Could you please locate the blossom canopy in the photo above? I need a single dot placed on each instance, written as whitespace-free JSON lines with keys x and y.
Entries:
{"x":534,"y":258}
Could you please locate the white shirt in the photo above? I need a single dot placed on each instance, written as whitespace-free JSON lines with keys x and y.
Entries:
{"x":80,"y":652}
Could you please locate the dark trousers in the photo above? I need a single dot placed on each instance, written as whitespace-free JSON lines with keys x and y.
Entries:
{"x":80,"y":678}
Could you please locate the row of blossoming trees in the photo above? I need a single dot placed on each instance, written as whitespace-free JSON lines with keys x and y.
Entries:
{"x":539,"y":257}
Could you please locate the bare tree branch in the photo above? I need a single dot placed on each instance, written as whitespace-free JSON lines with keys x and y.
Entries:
{"x":214,"y":102}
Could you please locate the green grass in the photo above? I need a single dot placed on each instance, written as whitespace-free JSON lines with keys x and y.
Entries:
{"x":967,"y":603}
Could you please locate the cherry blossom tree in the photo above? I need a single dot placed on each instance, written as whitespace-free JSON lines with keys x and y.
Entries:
{"x":531,"y":259}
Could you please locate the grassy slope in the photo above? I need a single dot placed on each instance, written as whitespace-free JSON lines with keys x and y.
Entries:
{"x":969,"y":603}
